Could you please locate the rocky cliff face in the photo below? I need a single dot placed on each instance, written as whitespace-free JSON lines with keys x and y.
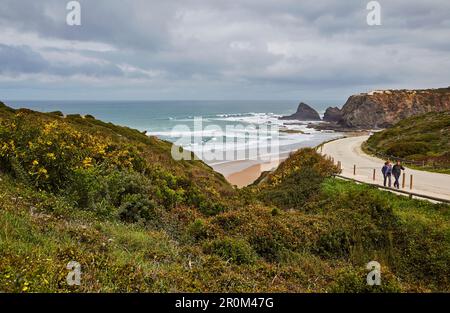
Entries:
{"x":380,"y":109}
{"x":304,"y":113}
{"x":333,"y":115}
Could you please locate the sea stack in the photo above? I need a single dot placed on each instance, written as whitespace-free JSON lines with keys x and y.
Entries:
{"x":304,"y":113}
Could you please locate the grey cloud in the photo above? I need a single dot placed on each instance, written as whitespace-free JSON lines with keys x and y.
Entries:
{"x":20,"y":60}
{"x":17,"y":60}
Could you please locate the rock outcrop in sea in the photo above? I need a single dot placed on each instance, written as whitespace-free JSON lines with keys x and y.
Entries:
{"x":304,"y":113}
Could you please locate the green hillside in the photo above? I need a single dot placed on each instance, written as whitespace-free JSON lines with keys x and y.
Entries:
{"x":113,"y":199}
{"x":423,"y":141}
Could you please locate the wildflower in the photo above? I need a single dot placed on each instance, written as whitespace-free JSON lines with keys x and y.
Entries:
{"x":49,"y":127}
{"x":25,"y":286}
{"x":35,"y":162}
{"x":87,"y":162}
{"x":51,"y":156}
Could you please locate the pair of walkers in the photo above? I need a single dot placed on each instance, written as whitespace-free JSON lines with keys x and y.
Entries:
{"x":388,"y":171}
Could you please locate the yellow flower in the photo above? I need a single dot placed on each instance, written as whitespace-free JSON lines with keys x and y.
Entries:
{"x":51,"y":156}
{"x":87,"y":162}
{"x":35,"y":162}
{"x":49,"y":126}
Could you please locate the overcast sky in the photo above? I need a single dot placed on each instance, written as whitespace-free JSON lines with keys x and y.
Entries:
{"x":211,"y":49}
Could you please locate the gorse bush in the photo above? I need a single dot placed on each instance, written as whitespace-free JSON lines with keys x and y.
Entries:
{"x":50,"y":152}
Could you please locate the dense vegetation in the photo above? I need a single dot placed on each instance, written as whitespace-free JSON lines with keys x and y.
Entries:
{"x":423,"y":139}
{"x":112,"y":199}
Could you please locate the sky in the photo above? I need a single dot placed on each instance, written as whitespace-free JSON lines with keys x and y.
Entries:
{"x":211,"y":49}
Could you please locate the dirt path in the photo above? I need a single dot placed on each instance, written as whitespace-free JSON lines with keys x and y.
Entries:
{"x":348,"y":151}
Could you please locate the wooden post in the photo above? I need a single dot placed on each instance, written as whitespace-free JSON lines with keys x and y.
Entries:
{"x":374,"y":171}
{"x":354,"y":169}
{"x":411,"y":182}
{"x":321,"y":148}
{"x":339,"y":164}
{"x":403,"y":180}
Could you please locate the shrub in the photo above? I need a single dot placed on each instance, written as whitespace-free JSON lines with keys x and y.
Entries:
{"x":198,"y":230}
{"x":337,"y":243}
{"x":209,"y":208}
{"x":50,"y":152}
{"x":137,"y":208}
{"x":122,"y":183}
{"x":303,"y":158}
{"x":236,"y":250}
{"x":87,"y":187}
{"x":267,"y":246}
{"x":354,"y":281}
{"x":404,"y":149}
{"x":295,"y":190}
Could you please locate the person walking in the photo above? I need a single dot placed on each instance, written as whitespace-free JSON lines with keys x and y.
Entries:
{"x":397,"y":171}
{"x":387,"y":172}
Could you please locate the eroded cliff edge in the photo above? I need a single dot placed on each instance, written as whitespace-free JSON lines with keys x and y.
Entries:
{"x":384,"y":108}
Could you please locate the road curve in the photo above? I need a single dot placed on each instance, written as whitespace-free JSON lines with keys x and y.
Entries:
{"x":348,"y":151}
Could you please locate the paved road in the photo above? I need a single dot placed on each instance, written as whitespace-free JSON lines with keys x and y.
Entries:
{"x":348,"y":151}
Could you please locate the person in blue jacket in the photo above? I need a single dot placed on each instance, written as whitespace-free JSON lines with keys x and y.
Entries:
{"x":387,"y":173}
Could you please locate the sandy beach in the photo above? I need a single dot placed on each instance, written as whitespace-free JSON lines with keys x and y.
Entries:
{"x":250,"y":174}
{"x":243,"y":173}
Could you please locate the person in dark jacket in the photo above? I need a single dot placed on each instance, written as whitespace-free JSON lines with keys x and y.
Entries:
{"x":397,"y":171}
{"x":387,"y":172}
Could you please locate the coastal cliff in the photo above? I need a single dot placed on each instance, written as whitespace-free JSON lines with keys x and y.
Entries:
{"x":332,"y":114}
{"x":384,"y":108}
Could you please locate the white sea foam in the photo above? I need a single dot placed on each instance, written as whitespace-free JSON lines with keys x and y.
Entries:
{"x":240,"y":134}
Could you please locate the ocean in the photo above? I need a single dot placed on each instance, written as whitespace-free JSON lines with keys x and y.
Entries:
{"x":253,"y":124}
